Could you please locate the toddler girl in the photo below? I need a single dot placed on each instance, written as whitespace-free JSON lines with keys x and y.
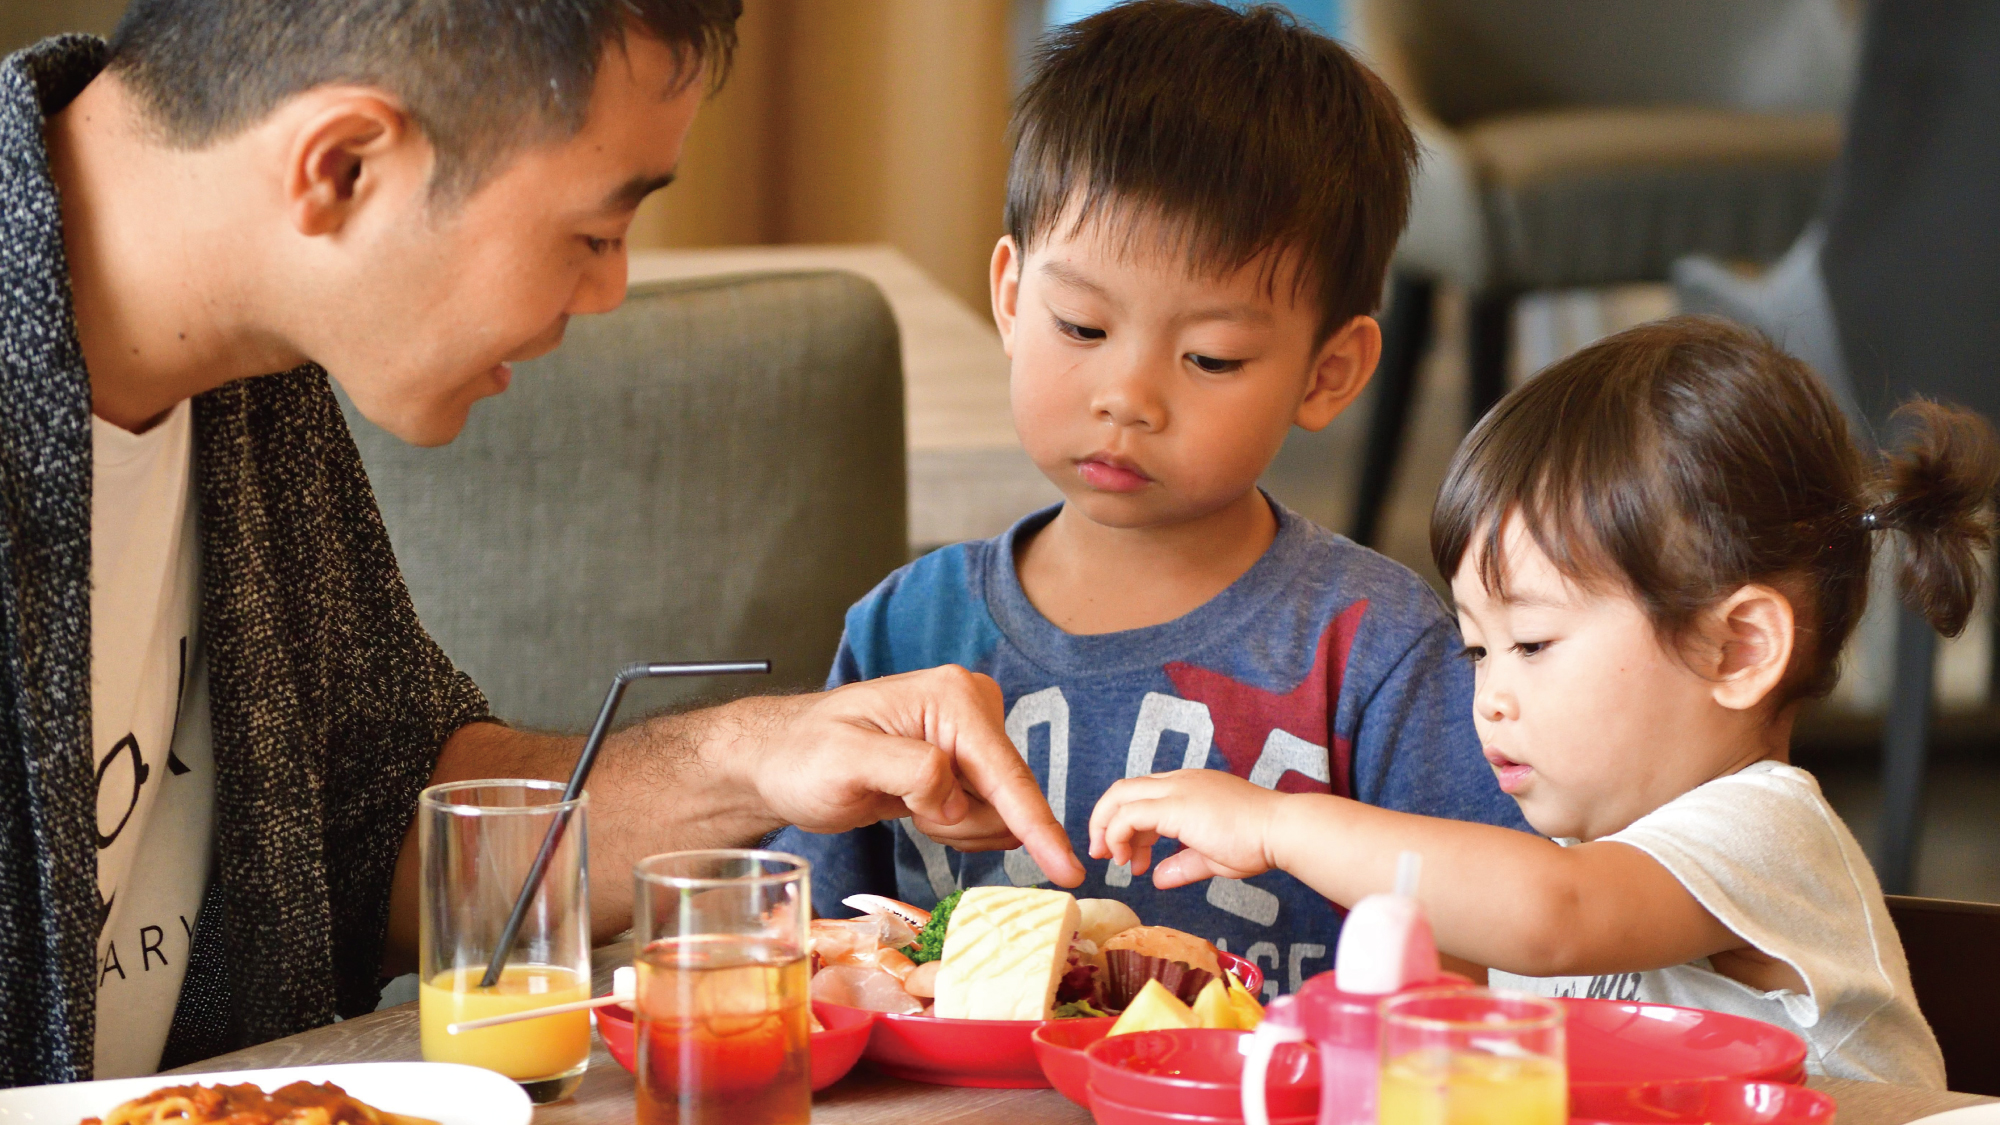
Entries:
{"x":1657,"y":548}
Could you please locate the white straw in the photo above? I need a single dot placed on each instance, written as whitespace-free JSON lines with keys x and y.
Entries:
{"x":1409,"y":869}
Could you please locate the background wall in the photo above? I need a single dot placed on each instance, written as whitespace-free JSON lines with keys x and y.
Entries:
{"x":856,"y":121}
{"x":24,"y":21}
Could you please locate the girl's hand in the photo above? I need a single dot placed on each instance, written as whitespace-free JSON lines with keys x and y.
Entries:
{"x":1222,"y":822}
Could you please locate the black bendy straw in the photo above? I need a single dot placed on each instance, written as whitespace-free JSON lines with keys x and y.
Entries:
{"x":582,"y":773}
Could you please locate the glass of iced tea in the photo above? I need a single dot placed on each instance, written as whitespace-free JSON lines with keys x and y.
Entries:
{"x":722,"y":1012}
{"x":477,"y":841}
{"x":1472,"y":1056}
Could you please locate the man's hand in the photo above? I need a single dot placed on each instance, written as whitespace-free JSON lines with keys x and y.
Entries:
{"x":1223,"y":823}
{"x":928,"y":745}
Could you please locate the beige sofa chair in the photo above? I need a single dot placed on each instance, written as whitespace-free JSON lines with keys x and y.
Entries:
{"x":715,"y":470}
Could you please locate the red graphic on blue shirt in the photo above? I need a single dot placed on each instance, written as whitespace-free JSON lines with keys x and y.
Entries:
{"x":1245,"y":715}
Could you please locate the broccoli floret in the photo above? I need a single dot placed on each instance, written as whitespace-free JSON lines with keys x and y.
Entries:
{"x":930,"y":939}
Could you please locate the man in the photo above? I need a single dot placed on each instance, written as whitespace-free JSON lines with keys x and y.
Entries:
{"x":202,"y":630}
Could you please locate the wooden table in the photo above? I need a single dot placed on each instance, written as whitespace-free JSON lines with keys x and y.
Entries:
{"x":605,"y":1098}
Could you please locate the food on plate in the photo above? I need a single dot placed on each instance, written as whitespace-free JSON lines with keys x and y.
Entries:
{"x":1212,"y":1007}
{"x":1005,"y":952}
{"x":930,"y":939}
{"x":1017,"y":954}
{"x":1249,"y":1013}
{"x":1154,"y":1009}
{"x":1169,"y":944}
{"x":301,"y":1103}
{"x":1104,"y":919}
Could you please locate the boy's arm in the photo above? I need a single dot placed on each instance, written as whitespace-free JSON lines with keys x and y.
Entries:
{"x":1496,"y":897}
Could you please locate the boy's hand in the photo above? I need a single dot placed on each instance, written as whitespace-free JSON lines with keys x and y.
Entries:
{"x":1222,"y":822}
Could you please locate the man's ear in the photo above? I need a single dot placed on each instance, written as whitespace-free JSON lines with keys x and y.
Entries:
{"x":343,"y":150}
{"x":1340,"y":372}
{"x":1005,"y":281}
{"x":1753,"y":631}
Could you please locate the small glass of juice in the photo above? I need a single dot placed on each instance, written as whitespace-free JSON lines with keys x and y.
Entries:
{"x":477,"y":841}
{"x":722,"y":1013}
{"x":1472,"y":1056}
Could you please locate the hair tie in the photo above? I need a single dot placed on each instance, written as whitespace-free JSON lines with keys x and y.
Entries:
{"x":1871,"y":520}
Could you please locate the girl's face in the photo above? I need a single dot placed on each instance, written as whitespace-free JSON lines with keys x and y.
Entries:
{"x":1588,"y":721}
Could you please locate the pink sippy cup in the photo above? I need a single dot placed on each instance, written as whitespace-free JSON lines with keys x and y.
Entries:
{"x":1385,"y":948}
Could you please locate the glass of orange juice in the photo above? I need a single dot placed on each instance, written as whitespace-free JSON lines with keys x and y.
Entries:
{"x":1472,"y":1056}
{"x":722,"y":1011}
{"x":477,"y":841}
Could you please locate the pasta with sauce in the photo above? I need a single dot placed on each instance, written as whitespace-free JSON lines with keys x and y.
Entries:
{"x":301,"y":1103}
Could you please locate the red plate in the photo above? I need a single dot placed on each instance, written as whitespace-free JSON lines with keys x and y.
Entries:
{"x":992,"y":1053}
{"x":1113,"y":1113}
{"x":1625,"y":1044}
{"x":1059,"y":1046}
{"x":1688,"y":1103}
{"x":834,"y":1051}
{"x":1199,"y":1070}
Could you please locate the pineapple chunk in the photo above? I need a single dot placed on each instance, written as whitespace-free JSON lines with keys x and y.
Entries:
{"x":1249,"y":1013}
{"x":1213,"y":1007}
{"x":1154,"y":1009}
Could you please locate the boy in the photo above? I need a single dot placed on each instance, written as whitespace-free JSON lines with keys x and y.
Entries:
{"x":1200,"y":213}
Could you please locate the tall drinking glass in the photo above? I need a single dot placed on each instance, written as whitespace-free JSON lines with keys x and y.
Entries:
{"x":1471,"y":1056}
{"x":720,"y":943}
{"x":477,"y":841}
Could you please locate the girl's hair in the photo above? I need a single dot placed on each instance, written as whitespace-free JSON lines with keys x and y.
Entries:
{"x":1683,"y":459}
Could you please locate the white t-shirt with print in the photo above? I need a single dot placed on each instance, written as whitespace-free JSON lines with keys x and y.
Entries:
{"x":1762,"y":851}
{"x":155,"y":767}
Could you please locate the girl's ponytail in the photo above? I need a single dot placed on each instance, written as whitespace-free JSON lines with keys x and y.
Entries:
{"x":1936,"y":489}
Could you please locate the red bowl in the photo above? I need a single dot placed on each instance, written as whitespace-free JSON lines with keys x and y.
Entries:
{"x":989,"y":1053}
{"x":1200,"y":1071}
{"x":834,"y":1051}
{"x":1687,"y":1103}
{"x":1059,"y":1048}
{"x":1113,"y":1113}
{"x":1621,"y":1045}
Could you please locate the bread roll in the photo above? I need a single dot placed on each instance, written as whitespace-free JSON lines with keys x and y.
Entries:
{"x":1103,"y":919}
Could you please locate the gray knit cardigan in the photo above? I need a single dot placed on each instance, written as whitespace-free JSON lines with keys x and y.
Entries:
{"x":329,"y":702}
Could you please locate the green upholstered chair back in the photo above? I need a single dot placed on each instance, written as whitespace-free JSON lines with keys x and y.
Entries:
{"x":715,"y":470}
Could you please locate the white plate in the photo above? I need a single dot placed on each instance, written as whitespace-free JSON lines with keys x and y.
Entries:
{"x":1988,"y":1114}
{"x":444,"y":1092}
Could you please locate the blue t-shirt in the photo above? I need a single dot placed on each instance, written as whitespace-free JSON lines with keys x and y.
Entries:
{"x":1325,"y":668}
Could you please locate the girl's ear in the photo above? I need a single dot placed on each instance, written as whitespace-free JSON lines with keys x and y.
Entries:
{"x":1754,"y":634}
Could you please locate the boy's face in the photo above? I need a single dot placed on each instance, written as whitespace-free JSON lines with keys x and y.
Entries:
{"x":1151,"y":396}
{"x":423,"y":306}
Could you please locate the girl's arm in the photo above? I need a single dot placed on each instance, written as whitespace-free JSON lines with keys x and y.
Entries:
{"x":1517,"y":902}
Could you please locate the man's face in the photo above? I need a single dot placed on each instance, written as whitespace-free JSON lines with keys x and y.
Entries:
{"x":1148,"y":394}
{"x":445,"y":296}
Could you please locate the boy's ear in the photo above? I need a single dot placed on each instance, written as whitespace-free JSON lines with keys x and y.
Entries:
{"x":1340,"y":372}
{"x":342,"y":152}
{"x":1753,"y":634}
{"x":1005,"y":280}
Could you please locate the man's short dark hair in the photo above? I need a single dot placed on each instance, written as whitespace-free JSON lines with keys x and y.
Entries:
{"x":481,"y":78}
{"x":1242,"y":131}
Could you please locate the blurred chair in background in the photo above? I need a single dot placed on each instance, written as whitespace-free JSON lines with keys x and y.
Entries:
{"x":1896,"y":295}
{"x":1571,"y":145}
{"x":715,"y":470}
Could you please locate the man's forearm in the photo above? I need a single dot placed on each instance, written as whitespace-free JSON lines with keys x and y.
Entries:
{"x":684,"y":759}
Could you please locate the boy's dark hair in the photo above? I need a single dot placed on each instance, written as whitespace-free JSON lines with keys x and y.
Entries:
{"x":481,"y":78}
{"x":1684,"y":459}
{"x":1242,"y":131}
